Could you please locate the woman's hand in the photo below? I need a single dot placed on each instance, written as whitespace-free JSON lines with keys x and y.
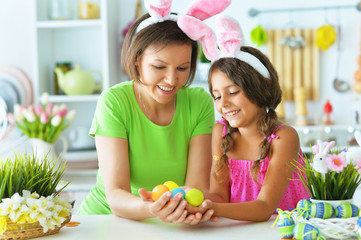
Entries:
{"x":167,"y":209}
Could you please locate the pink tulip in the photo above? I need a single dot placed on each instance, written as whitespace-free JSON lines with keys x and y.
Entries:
{"x":62,"y":112}
{"x":11,"y":118}
{"x":49,"y":109}
{"x":44,"y":118}
{"x":38,"y":110}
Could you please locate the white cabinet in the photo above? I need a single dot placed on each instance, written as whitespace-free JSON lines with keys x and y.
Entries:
{"x":92,"y":44}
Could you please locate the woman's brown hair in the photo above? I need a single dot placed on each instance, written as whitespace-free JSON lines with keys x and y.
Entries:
{"x":158,"y":35}
{"x":264,"y":92}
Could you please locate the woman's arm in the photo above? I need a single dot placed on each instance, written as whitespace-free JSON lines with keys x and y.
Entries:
{"x":199,"y":162}
{"x":283,"y":151}
{"x":114,"y":166}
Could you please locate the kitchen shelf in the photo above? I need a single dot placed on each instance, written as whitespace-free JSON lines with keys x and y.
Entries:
{"x":73,"y":98}
{"x":81,"y":155}
{"x":69,"y":24}
{"x":342,"y":134}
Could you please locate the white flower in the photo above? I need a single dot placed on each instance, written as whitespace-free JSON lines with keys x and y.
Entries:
{"x":55,"y":121}
{"x":55,"y":109}
{"x":71,"y":114}
{"x":44,"y":98}
{"x":29,"y":115}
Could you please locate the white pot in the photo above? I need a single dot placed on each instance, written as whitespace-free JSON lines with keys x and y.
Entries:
{"x":42,"y":148}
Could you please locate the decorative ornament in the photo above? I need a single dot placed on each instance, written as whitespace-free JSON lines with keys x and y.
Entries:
{"x":326,"y":36}
{"x":258,"y":36}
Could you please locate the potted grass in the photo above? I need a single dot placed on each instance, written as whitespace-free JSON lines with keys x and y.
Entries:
{"x":29,"y":202}
{"x":331,"y":176}
{"x":328,"y":175}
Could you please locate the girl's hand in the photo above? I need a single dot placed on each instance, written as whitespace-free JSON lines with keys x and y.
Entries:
{"x":167,"y":209}
{"x":201,"y":213}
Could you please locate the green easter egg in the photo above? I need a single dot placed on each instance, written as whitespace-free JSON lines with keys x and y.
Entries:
{"x":194,"y":197}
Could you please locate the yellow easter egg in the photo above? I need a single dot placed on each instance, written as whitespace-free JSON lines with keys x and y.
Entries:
{"x":171,"y":185}
{"x":194,"y":197}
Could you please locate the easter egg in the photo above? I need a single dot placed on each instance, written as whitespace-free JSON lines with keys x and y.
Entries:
{"x":305,"y":231}
{"x":158,"y":191}
{"x":346,"y":210}
{"x":285,"y":224}
{"x":194,"y":197}
{"x":321,"y":210}
{"x":171,"y":185}
{"x":178,"y":190}
{"x":303,"y":207}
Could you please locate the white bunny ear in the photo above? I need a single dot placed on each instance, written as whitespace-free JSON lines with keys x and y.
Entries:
{"x":320,"y":146}
{"x":358,"y":137}
{"x":198,"y":30}
{"x":203,"y":9}
{"x":328,"y":147}
{"x":158,"y":9}
{"x":229,"y":35}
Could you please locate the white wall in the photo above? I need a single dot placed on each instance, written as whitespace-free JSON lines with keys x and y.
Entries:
{"x":17,"y":39}
{"x":17,"y":33}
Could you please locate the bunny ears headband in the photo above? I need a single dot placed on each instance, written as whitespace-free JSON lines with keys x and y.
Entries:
{"x":159,"y":10}
{"x":229,"y":39}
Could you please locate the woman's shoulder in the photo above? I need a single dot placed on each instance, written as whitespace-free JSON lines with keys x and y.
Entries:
{"x":118,"y":92}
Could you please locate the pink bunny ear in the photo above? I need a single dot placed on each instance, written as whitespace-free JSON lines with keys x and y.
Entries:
{"x":158,"y":9}
{"x":203,"y":9}
{"x":229,"y":35}
{"x":198,"y":30}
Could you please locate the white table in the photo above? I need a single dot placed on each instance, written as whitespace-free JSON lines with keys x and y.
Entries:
{"x":106,"y":227}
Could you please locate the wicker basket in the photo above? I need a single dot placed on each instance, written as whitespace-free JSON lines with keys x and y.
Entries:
{"x":334,"y":228}
{"x":17,"y":231}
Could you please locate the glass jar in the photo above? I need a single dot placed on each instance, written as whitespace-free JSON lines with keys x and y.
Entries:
{"x":88,"y":9}
{"x":60,"y":9}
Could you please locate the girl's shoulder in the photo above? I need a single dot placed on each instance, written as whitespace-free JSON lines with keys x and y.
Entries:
{"x":286,"y":131}
{"x":285,"y":136}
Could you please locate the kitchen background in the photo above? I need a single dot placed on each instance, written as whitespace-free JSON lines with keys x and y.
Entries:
{"x":32,"y":42}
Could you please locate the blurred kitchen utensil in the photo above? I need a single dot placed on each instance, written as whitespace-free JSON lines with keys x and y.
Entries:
{"x":339,"y":85}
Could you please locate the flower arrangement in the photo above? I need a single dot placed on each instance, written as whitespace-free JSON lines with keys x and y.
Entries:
{"x":28,"y":195}
{"x":331,"y":175}
{"x":45,"y":121}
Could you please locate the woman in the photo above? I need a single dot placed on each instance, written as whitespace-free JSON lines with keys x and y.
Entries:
{"x":153,"y":128}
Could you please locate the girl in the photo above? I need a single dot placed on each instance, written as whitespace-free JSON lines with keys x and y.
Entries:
{"x":252,"y":150}
{"x":154,"y":128}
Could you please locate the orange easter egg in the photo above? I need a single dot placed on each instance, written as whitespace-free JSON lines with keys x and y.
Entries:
{"x":359,"y":61}
{"x":158,"y":191}
{"x":357,"y":76}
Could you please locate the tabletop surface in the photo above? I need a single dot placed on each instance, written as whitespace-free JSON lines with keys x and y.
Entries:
{"x":110,"y":227}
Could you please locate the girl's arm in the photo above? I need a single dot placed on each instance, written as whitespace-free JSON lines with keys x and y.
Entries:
{"x":219,"y":191}
{"x":283,"y":151}
{"x":114,"y":166}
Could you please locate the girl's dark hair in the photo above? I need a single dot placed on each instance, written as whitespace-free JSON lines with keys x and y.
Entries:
{"x":259,"y":90}
{"x":158,"y":35}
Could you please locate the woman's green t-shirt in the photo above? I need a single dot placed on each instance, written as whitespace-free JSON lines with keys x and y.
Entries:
{"x":156,"y":153}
